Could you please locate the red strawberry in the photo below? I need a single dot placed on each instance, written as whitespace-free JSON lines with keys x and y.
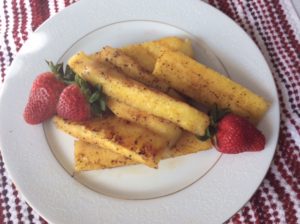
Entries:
{"x":43,"y":98}
{"x":236,"y":134}
{"x":72,"y":104}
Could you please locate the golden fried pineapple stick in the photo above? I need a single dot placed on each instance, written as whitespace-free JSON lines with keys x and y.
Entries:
{"x":187,"y":144}
{"x":136,"y":94}
{"x":160,"y":126}
{"x":208,"y":86}
{"x":120,"y":136}
{"x":146,"y":53}
{"x":183,"y":45}
{"x":91,"y":157}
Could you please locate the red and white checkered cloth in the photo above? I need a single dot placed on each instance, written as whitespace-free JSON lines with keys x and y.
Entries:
{"x":272,"y":24}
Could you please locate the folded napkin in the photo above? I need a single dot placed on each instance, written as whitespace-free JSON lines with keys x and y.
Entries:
{"x":272,"y":24}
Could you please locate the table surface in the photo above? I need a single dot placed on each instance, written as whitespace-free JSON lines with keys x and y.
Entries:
{"x":274,"y":26}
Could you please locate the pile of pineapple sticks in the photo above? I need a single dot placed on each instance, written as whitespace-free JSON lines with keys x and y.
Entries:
{"x":151,"y":120}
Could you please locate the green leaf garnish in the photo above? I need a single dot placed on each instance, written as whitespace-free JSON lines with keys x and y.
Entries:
{"x":215,"y":115}
{"x":67,"y":76}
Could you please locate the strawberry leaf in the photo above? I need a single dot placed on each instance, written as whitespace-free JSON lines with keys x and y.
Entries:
{"x":206,"y":135}
{"x":215,"y":115}
{"x":84,"y":86}
{"x":94,"y":97}
{"x":99,"y":106}
{"x":221,"y":113}
{"x":55,"y":68}
{"x":210,"y":131}
{"x":67,"y":76}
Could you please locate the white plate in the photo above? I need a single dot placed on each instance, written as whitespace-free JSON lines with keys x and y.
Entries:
{"x":42,"y":171}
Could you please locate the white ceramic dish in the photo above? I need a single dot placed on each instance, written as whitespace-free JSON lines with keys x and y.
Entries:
{"x":221,"y":185}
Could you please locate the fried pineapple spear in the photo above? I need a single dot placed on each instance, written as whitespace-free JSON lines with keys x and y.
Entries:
{"x":183,"y":45}
{"x":145,"y":54}
{"x":119,"y":136}
{"x":162,"y":127}
{"x":207,"y":86}
{"x":91,"y":157}
{"x":116,"y":85}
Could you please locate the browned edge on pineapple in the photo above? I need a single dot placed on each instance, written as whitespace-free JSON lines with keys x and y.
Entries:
{"x":118,"y":135}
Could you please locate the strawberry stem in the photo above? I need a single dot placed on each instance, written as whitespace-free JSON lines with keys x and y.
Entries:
{"x":215,"y":115}
{"x":67,"y":76}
